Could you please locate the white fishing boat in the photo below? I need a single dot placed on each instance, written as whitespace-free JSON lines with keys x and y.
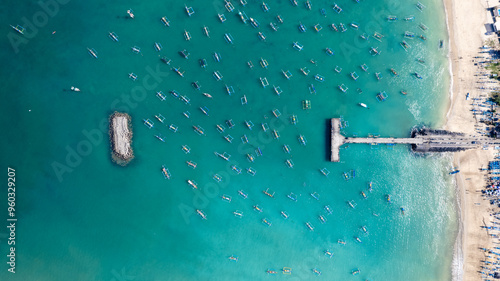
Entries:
{"x":158,"y":46}
{"x":315,"y":195}
{"x":277,"y":90}
{"x":265,"y":7}
{"x":228,"y":138}
{"x":161,"y":96}
{"x":362,"y":105}
{"x":309,"y":226}
{"x":160,"y":137}
{"x":130,"y":13}
{"x":302,"y":140}
{"x":251,"y":171}
{"x":254,"y":22}
{"x":206,"y":31}
{"x":136,"y":50}
{"x":187,"y":35}
{"x":262,"y":36}
{"x":264,"y":82}
{"x":319,"y":78}
{"x":250,"y":157}
{"x":287,"y":74}
{"x":222,"y":17}
{"x":201,"y":214}
{"x":286,"y":148}
{"x":284,"y":214}
{"x":199,"y":130}
{"x":216,"y":57}
{"x":113,"y":36}
{"x":297,"y":46}
{"x":312,"y":89}
{"x":325,"y":171}
{"x":308,"y":5}
{"x":343,"y":88}
{"x":217,"y":75}
{"x":276,"y":113}
{"x":249,"y":124}
{"x":273,"y":26}
{"x":242,"y":194}
{"x":354,"y":76}
{"x":18,"y":28}
{"x":229,"y":6}
{"x":337,"y":8}
{"x":229,"y":89}
{"x":148,"y":123}
{"x":220,"y":128}
{"x":166,"y":172}
{"x":165,"y":21}
{"x":266,"y":222}
{"x":229,"y":38}
{"x":205,"y":110}
{"x":243,"y":16}
{"x":192,"y":165}
{"x":276,"y":134}
{"x":189,"y":10}
{"x":392,"y":18}
{"x":230,"y":123}
{"x":92,"y":52}
{"x":132,"y":76}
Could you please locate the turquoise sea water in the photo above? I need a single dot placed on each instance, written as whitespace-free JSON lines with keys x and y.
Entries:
{"x":82,"y":217}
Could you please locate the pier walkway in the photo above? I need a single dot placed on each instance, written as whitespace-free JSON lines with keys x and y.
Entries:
{"x":421,"y":141}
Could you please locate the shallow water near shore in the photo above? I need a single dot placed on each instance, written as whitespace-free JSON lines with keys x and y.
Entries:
{"x":83,"y":217}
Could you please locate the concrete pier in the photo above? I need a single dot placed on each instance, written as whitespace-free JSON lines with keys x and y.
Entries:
{"x":337,"y":140}
{"x":421,"y":141}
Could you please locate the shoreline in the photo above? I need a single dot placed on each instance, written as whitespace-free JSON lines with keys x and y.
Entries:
{"x":472,"y":209}
{"x":120,"y":135}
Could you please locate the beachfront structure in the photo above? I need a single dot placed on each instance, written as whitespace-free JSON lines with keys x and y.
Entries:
{"x":424,"y":140}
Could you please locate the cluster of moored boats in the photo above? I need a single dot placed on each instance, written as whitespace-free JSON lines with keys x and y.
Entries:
{"x":225,"y":128}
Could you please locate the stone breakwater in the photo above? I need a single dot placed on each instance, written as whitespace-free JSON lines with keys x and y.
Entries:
{"x":120,"y":135}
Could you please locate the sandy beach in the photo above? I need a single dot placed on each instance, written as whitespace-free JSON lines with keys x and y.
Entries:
{"x":466,"y":22}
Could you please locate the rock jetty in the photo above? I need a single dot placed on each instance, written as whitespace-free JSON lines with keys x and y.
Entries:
{"x":120,"y":135}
